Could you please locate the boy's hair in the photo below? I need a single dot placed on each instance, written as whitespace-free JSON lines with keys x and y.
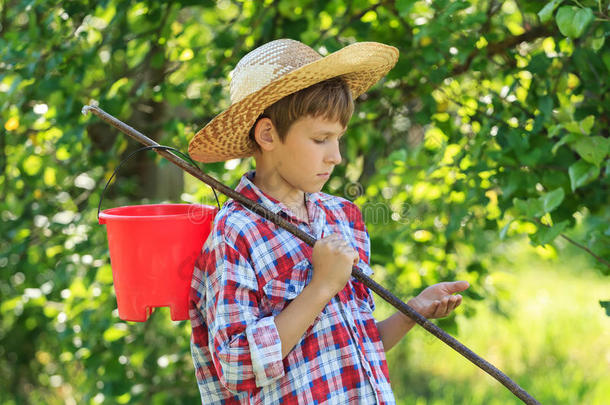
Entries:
{"x":331,"y":99}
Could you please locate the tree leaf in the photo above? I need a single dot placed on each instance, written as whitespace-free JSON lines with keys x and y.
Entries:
{"x":520,"y":206}
{"x":547,"y":11}
{"x":582,"y":19}
{"x":32,"y":165}
{"x":532,"y":207}
{"x":545,"y":104}
{"x":505,"y":228}
{"x":546,"y":234}
{"x":598,"y":40}
{"x":569,"y":138}
{"x":573,"y":21}
{"x":115,"y":332}
{"x":606,"y":306}
{"x":404,"y":7}
{"x":597,"y":43}
{"x":587,"y":123}
{"x":563,"y":18}
{"x":399,"y":155}
{"x":581,"y":173}
{"x":552,"y":199}
{"x":582,"y":127}
{"x":592,"y":149}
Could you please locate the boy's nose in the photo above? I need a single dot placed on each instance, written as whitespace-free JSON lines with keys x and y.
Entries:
{"x":334,"y":155}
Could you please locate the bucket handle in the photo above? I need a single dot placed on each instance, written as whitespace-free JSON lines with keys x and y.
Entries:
{"x":162,"y":147}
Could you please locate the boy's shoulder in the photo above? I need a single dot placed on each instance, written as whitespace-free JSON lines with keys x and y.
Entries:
{"x":233,"y":220}
{"x":340,"y":206}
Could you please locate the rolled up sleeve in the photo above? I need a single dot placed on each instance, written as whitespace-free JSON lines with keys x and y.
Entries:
{"x":245,"y":346}
{"x":265,"y":351}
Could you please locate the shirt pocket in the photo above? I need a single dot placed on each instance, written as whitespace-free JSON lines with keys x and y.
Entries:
{"x":282,"y":289}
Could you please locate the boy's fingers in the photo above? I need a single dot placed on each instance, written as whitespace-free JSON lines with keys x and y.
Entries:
{"x":455,"y":302}
{"x":443,"y":307}
{"x":457,"y":286}
{"x":433,"y":309}
{"x":337,"y":240}
{"x":450,"y":303}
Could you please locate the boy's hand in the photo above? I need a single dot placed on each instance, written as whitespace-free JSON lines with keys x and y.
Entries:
{"x":437,"y":301}
{"x":332,"y":259}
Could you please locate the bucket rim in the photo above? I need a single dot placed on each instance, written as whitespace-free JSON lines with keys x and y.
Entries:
{"x":108,"y":213}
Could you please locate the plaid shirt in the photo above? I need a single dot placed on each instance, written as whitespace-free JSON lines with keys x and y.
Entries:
{"x":249,"y":270}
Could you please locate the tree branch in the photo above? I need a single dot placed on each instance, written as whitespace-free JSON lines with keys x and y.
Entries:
{"x":502,"y":46}
{"x":586,"y":249}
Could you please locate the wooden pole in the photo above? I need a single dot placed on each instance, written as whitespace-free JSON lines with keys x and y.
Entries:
{"x":279,"y":221}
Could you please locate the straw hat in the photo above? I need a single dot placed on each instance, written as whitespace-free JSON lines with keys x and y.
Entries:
{"x":275,"y":70}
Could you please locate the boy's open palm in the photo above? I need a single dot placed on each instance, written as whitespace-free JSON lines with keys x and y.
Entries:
{"x":437,"y":301}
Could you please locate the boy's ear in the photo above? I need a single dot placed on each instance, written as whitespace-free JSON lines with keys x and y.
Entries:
{"x":265,"y":134}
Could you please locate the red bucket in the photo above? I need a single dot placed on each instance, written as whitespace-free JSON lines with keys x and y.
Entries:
{"x":153,"y":249}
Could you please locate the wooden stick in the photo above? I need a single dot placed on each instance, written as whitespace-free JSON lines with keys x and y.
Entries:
{"x":279,"y":221}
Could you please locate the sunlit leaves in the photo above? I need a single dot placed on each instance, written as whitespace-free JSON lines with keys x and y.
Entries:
{"x":11,"y":124}
{"x":582,"y":127}
{"x":434,"y":138}
{"x":32,"y":165}
{"x":472,"y":136}
{"x":115,"y":332}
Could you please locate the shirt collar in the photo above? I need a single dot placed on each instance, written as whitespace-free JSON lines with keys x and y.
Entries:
{"x":247,"y":187}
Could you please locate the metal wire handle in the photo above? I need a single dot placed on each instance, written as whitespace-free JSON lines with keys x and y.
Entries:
{"x":161,"y":147}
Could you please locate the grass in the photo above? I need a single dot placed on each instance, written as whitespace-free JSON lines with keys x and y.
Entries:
{"x":551,"y":337}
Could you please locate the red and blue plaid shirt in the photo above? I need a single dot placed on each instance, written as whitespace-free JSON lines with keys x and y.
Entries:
{"x":249,"y":270}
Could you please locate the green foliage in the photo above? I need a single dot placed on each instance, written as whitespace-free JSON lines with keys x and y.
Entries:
{"x":494,"y":123}
{"x":606,"y":306}
{"x":548,"y":325}
{"x":572,"y":21}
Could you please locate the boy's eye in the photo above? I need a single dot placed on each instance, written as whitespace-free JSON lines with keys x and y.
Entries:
{"x":323,"y":140}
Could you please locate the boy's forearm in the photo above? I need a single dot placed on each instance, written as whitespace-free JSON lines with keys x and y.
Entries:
{"x":393,"y":329}
{"x":294,"y":320}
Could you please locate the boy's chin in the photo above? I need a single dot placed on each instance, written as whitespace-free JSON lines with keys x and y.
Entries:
{"x":314,"y":189}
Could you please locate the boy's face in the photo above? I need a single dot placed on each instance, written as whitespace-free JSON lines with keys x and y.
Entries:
{"x":306,"y":158}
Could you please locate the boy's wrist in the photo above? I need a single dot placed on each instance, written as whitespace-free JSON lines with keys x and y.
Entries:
{"x":322,"y":291}
{"x":413,"y":304}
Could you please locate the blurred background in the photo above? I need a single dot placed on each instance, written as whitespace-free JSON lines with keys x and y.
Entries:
{"x":482,"y":156}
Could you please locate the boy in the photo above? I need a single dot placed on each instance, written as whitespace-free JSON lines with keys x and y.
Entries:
{"x":275,"y":321}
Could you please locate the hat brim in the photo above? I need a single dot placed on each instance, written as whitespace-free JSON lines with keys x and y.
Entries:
{"x":361,"y":65}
